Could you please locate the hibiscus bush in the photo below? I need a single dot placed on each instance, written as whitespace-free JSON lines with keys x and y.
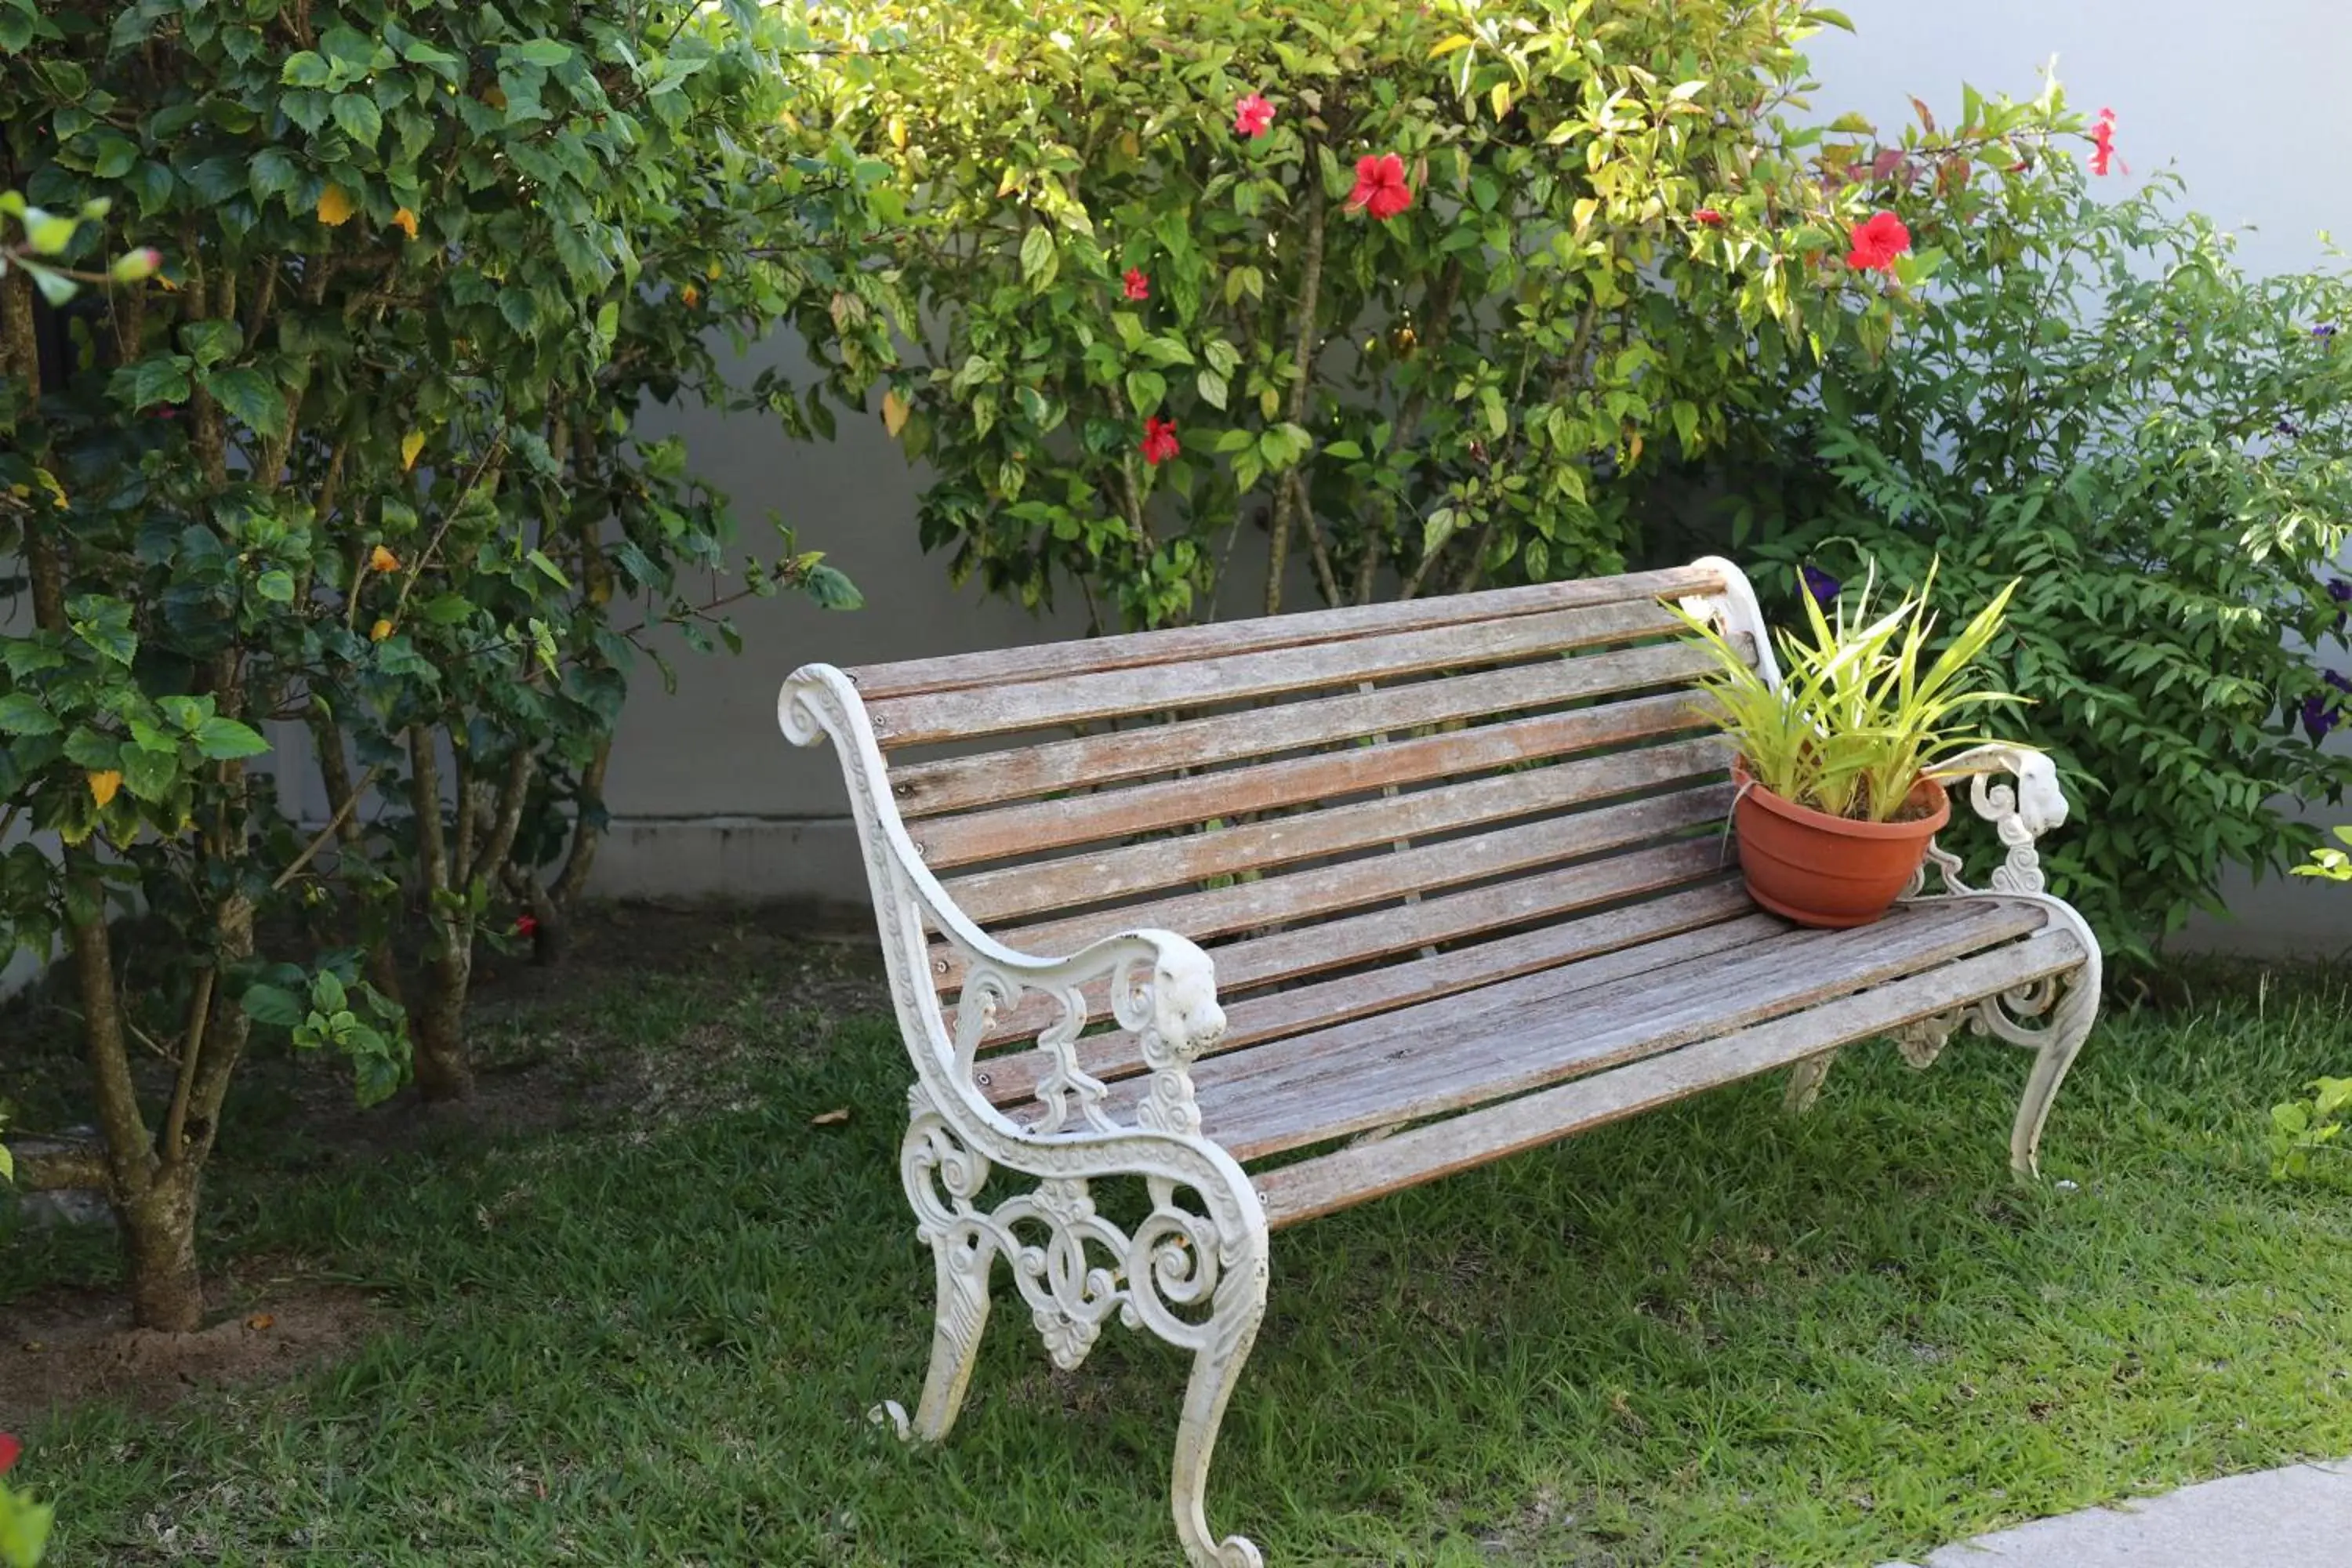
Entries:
{"x":359,"y":460}
{"x":1404,"y":292}
{"x":2096,"y":395}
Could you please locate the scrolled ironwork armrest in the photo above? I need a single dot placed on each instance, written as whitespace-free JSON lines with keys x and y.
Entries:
{"x":2021,"y":813}
{"x":1163,"y":989}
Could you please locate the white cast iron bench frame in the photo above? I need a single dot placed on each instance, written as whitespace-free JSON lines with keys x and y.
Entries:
{"x":1072,"y":1110}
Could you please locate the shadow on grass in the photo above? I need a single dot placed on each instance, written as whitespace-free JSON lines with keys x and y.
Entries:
{"x":1708,"y":1336}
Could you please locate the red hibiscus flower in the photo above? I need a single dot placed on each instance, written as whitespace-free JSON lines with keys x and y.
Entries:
{"x":1878,"y":239}
{"x":1380,"y":189}
{"x":9,"y":1449}
{"x":1136,"y":285}
{"x":1159,"y":440}
{"x":2103,"y":143}
{"x":528,"y":926}
{"x":1709,"y":217}
{"x":1252,"y":115}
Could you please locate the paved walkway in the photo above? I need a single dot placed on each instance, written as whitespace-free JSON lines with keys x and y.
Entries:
{"x":2300,"y":1516}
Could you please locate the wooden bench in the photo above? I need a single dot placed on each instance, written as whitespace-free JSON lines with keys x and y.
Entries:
{"x":1452,"y":880}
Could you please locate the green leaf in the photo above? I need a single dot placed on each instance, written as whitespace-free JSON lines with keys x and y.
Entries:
{"x":1039,"y":258}
{"x":304,"y":68}
{"x":250,"y":398}
{"x":21,"y":714}
{"x":833,"y":589}
{"x":273,"y":1005}
{"x":360,"y":120}
{"x":554,"y":572}
{"x":1145,"y":390}
{"x":209,"y":343}
{"x":223,"y":739}
{"x":544,"y":53}
{"x":277,"y":586}
{"x":274,"y":173}
{"x":1212,"y":387}
{"x":327,"y":993}
{"x":163,"y":379}
{"x":149,"y":774}
{"x":1345,"y":449}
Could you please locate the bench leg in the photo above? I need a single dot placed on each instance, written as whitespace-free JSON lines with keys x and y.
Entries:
{"x":1805,"y":1080}
{"x":2055,"y":1048}
{"x":1216,"y":1367}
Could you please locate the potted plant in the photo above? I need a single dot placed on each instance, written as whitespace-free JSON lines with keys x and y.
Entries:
{"x":1837,"y":801}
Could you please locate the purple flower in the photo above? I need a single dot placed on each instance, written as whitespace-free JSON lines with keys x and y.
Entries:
{"x":2289,"y":428}
{"x":2324,"y":331}
{"x":2321,"y":713}
{"x":1824,"y":587}
{"x":2341,"y":592}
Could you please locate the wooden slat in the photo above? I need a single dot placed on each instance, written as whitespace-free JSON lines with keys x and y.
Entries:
{"x":967,"y":714}
{"x":1042,"y":661}
{"x":1587,"y":952}
{"x":1352,"y":1176}
{"x":1287,"y":956}
{"x":1514,"y":1037}
{"x":1077,"y":881}
{"x":958,"y":784}
{"x":1038,"y":825}
{"x":1305,"y":894}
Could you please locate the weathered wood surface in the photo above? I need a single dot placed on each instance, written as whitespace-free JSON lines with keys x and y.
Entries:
{"x":1176,"y":645}
{"x":1280,"y":957}
{"x":1522,"y":1034}
{"x":1299,"y":895}
{"x":958,"y":784}
{"x":959,"y":715}
{"x":1076,"y":881}
{"x":1034,"y":827}
{"x":1634,"y":938}
{"x":1354,"y":1175}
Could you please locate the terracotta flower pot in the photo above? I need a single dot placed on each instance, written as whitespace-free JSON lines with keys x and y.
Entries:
{"x":1823,"y":870}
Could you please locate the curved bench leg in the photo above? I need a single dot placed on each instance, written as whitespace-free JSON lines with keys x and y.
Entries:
{"x":1805,"y":1080}
{"x":2069,"y":1027}
{"x":962,"y":1264}
{"x":1216,"y":1366}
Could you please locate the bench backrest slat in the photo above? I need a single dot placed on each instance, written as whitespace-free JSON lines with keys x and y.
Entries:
{"x":1182,"y":644}
{"x":958,"y":784}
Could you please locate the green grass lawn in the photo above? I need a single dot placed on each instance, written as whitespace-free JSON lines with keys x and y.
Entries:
{"x":1711,"y":1335}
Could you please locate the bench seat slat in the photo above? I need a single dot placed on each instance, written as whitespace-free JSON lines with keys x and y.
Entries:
{"x":1347,"y":1177}
{"x":1077,"y":881}
{"x":930,"y":717}
{"x":1462,"y":1052}
{"x":1591,"y":951}
{"x":1330,"y":890}
{"x":1084,"y":655}
{"x":959,"y":783}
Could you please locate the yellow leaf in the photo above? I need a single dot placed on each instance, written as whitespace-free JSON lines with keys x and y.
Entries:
{"x":1131,"y":145}
{"x":1011,"y":183}
{"x":103,"y":785}
{"x":1634,"y":455}
{"x":379,"y":631}
{"x":49,"y":483}
{"x":894,"y":412}
{"x":382,"y":559}
{"x":410,"y":445}
{"x":898,"y":132}
{"x":830,"y":1117}
{"x":691,"y":295}
{"x":711,"y":273}
{"x":1444,"y":46}
{"x":1500,"y":99}
{"x":261,"y":1323}
{"x":335,"y":208}
{"x":404,"y":221}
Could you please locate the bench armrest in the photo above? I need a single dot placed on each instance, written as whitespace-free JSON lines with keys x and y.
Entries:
{"x":2020,"y":812}
{"x":1162,"y":986}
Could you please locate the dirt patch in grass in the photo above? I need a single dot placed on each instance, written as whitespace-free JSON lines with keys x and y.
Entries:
{"x":63,"y":1348}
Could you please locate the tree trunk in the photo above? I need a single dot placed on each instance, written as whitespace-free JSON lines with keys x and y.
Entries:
{"x":442,"y":1071}
{"x":159,"y":1253}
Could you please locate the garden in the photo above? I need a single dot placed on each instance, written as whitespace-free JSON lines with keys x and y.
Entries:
{"x":372,"y":1190}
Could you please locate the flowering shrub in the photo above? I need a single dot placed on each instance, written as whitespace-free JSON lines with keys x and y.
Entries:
{"x":2097,"y":397}
{"x":1424,"y":282}
{"x":361,"y":459}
